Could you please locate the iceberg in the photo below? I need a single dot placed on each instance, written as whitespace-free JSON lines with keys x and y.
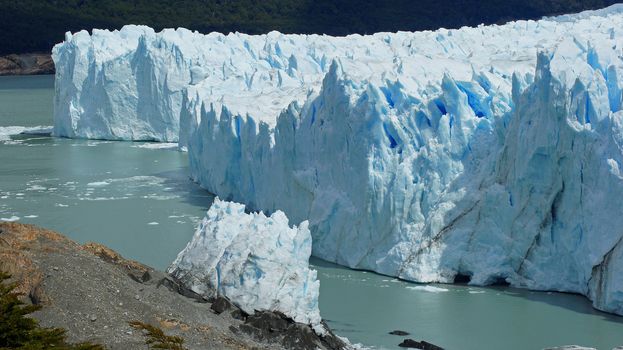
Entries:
{"x":258,"y":262}
{"x":7,"y":131}
{"x":490,"y":153}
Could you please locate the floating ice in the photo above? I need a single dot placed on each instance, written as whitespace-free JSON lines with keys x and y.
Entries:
{"x":98,"y":184}
{"x":157,"y":145}
{"x":431,"y":289}
{"x":7,"y":131}
{"x":258,"y":262}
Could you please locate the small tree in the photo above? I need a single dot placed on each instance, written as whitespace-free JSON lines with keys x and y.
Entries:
{"x":20,"y":332}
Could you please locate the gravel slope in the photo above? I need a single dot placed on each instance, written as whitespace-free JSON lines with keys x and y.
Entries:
{"x":93,"y":292}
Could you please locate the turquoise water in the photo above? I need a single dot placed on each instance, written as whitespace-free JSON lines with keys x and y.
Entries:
{"x":26,"y":101}
{"x":140,"y":202}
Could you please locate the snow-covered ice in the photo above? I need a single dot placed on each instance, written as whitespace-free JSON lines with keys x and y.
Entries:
{"x":258,"y":262}
{"x":492,"y":152}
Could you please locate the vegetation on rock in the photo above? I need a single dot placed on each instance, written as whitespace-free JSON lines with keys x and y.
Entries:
{"x":156,"y":339}
{"x":17,"y":331}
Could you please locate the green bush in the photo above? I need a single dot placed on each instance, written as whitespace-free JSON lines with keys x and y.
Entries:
{"x":156,"y":339}
{"x":20,"y":332}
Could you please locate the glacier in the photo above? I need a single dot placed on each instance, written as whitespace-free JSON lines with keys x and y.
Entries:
{"x":490,"y":153}
{"x":258,"y":262}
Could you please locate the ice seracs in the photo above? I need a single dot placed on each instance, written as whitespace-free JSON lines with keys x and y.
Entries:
{"x":431,"y":169}
{"x":258,"y":262}
{"x":492,"y":152}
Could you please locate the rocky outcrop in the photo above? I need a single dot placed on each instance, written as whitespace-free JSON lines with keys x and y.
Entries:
{"x":27,"y":64}
{"x":94,"y":293}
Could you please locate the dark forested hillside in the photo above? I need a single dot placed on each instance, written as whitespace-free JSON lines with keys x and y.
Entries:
{"x":36,"y":25}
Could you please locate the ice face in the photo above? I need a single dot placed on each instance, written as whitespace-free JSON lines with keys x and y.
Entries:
{"x":431,"y":169}
{"x":492,"y":152}
{"x":258,"y":262}
{"x":132,"y":84}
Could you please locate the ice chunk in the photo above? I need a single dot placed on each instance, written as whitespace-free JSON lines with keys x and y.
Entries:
{"x":7,"y":131}
{"x":430,"y":289}
{"x":98,"y":184}
{"x":258,"y":262}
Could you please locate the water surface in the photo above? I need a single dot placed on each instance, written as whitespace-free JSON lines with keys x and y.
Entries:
{"x":140,"y":202}
{"x":26,"y":100}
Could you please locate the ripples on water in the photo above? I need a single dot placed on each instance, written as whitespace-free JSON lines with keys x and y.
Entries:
{"x":137,"y":199}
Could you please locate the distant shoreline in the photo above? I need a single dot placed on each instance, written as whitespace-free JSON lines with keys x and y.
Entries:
{"x":27,"y":64}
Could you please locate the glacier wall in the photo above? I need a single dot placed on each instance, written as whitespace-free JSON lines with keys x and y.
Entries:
{"x":125,"y":85}
{"x":504,"y":171}
{"x":132,"y":84}
{"x":491,"y":152}
{"x":258,"y":262}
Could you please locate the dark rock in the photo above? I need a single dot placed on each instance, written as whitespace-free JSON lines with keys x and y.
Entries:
{"x":26,"y":64}
{"x":220,"y":305}
{"x":139,"y":276}
{"x":269,"y":321}
{"x":428,"y":346}
{"x":401,"y":333}
{"x":410,"y":343}
{"x":35,"y":295}
{"x":331,"y":340}
{"x":174,"y":286}
{"x":256,"y":333}
{"x":300,"y":337}
{"x":234,"y":330}
{"x":276,"y":327}
{"x":239,"y":314}
{"x":413,"y":344}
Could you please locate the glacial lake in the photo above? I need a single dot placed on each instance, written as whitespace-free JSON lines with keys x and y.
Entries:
{"x":138,"y":200}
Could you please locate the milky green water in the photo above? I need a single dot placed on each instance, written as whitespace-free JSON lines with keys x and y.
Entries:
{"x":140,"y":202}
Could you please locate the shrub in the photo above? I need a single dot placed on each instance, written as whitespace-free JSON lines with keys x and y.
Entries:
{"x":20,"y":332}
{"x":156,"y":339}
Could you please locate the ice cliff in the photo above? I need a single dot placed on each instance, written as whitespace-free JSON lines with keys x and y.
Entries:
{"x":258,"y":262}
{"x":491,"y":153}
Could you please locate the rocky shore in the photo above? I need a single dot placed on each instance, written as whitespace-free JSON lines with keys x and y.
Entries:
{"x":27,"y":64}
{"x":95,"y":293}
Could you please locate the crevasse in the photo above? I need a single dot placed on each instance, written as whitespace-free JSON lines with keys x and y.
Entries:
{"x":491,"y":152}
